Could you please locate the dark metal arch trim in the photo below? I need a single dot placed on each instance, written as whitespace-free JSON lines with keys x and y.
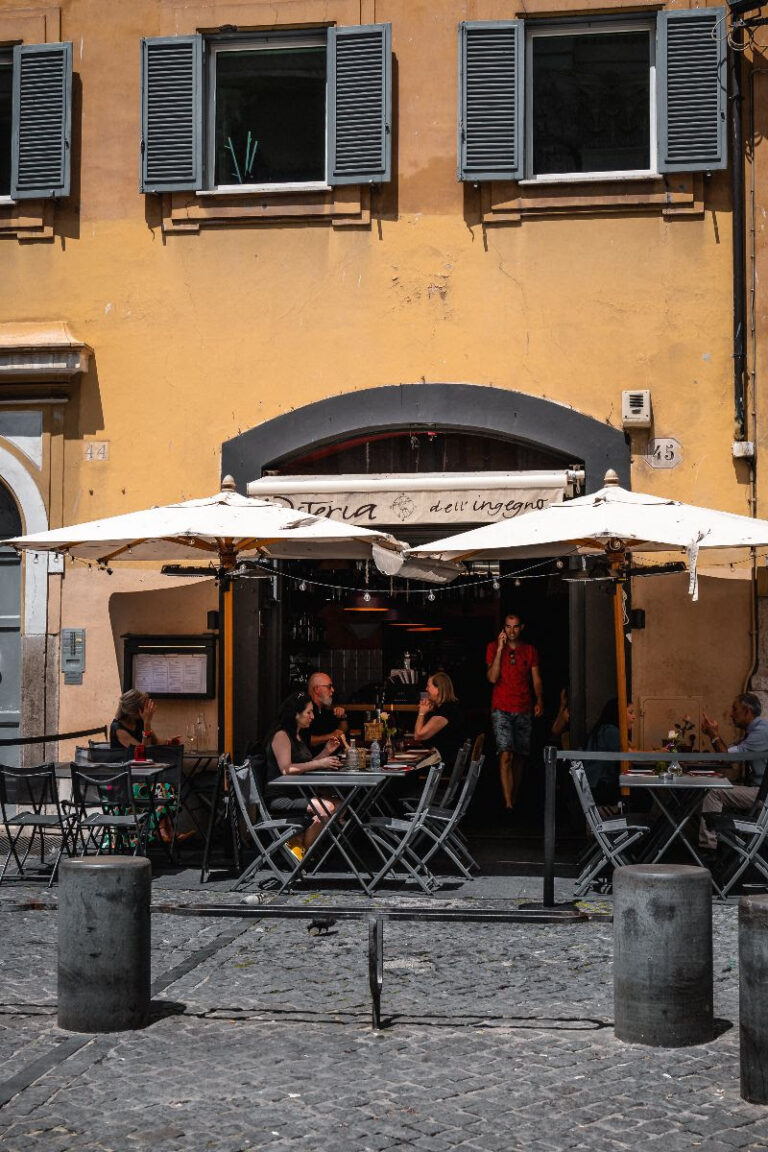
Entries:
{"x":458,"y":407}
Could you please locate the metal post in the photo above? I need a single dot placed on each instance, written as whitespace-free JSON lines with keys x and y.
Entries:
{"x":104,"y":943}
{"x":662,"y":962}
{"x":753,"y":997}
{"x":376,"y":967}
{"x":550,"y":781}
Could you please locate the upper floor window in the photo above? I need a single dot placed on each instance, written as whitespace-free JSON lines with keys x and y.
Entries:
{"x":6,"y":96}
{"x":35,"y":118}
{"x":592,"y":99}
{"x":278,"y":110}
{"x":591,"y":105}
{"x":267,"y":112}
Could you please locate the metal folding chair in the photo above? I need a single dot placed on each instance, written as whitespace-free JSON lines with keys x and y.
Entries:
{"x":395,"y":838}
{"x":268,"y":834}
{"x":744,"y":836}
{"x":106,"y":816}
{"x":441,"y":825}
{"x":613,"y":838}
{"x":29,"y":802}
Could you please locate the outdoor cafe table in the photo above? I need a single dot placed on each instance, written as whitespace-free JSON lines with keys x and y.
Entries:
{"x":678,"y":799}
{"x":355,"y":794}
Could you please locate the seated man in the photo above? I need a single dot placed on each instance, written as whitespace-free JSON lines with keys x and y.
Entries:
{"x":745,"y":714}
{"x":329,"y":721}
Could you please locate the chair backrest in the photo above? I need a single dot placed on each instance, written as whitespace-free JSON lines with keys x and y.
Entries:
{"x":468,"y":791}
{"x":33,"y":787}
{"x":103,"y":787}
{"x":478,"y":746}
{"x":452,"y":787}
{"x":101,"y":752}
{"x":173,"y":756}
{"x":257,"y":787}
{"x":583,"y":791}
{"x":240,"y":780}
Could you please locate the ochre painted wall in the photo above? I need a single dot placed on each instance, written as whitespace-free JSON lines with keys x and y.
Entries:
{"x":198,"y":336}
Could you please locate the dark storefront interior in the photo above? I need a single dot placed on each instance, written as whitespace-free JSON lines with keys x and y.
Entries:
{"x":311,"y":615}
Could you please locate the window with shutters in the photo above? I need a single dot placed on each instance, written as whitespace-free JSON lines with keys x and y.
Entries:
{"x":592,"y":100}
{"x":267,"y":112}
{"x":35,"y":137}
{"x":279,"y":125}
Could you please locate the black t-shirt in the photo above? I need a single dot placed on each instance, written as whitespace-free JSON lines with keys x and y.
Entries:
{"x":323,"y":724}
{"x":137,"y":732}
{"x":299,"y":755}
{"x":452,"y":735}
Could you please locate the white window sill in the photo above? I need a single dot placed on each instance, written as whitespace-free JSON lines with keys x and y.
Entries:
{"x":590,"y":178}
{"x":264,"y":189}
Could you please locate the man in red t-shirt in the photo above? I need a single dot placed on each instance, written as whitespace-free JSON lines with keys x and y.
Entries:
{"x":513,"y":669}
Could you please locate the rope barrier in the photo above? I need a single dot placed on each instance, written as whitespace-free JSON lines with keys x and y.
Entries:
{"x":50,"y":739}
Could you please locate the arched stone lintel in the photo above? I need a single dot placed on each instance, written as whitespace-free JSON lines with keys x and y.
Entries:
{"x":474,"y":408}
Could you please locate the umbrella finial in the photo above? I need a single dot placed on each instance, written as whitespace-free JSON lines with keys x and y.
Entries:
{"x":610,"y":478}
{"x":228,"y":484}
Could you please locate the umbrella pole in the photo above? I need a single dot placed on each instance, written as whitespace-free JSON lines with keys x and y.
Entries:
{"x":228,"y":560}
{"x":621,"y":662}
{"x":228,"y":686}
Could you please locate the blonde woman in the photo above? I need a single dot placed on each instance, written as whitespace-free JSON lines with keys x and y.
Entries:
{"x":440,"y":720}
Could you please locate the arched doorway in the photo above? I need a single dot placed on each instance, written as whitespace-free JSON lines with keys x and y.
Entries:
{"x":426,"y":427}
{"x":10,"y":626}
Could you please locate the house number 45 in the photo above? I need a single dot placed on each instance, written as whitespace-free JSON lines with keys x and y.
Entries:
{"x":665,"y":453}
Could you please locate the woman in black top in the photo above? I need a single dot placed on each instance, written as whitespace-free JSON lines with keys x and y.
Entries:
{"x":440,"y":721}
{"x":132,"y":724}
{"x":287,"y":754}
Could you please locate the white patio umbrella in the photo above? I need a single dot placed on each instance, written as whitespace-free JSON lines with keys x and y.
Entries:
{"x":610,"y":522}
{"x":228,"y":527}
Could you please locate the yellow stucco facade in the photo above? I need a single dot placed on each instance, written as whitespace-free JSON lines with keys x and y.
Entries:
{"x":207,"y":317}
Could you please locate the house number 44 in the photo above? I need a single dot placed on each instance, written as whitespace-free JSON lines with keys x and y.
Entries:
{"x":665,"y":453}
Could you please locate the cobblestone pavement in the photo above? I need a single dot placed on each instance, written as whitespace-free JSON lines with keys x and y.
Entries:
{"x":498,"y":1037}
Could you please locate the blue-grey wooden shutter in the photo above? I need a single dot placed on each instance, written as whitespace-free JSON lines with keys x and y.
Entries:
{"x":171,"y":113}
{"x":491,"y":98}
{"x":691,"y":90}
{"x":360,"y":104}
{"x":42,"y":120}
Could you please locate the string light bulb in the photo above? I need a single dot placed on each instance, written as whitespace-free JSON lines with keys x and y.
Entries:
{"x":496,"y":585}
{"x":303,"y":586}
{"x":431,"y":597}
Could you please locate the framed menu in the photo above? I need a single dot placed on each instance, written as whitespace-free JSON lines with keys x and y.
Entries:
{"x":171,"y":666}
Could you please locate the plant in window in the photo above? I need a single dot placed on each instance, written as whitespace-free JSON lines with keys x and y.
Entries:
{"x":245,"y":175}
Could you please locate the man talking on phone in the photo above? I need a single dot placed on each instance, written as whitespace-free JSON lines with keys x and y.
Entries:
{"x":513,"y":670}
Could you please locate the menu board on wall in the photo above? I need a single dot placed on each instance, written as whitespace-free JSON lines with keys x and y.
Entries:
{"x":170,"y":673}
{"x":171,"y":665}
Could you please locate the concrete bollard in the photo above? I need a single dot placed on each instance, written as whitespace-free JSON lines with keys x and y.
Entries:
{"x":753,"y":997}
{"x":662,"y":961}
{"x":104,"y":943}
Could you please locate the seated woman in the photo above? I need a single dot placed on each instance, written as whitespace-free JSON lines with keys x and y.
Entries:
{"x":287,"y":754}
{"x":603,"y":775}
{"x":440,"y":721}
{"x":132,"y":726}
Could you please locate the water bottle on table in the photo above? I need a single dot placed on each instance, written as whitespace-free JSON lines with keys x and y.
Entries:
{"x":375,"y":756}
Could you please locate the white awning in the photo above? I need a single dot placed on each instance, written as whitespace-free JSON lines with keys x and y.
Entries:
{"x":431,"y":498}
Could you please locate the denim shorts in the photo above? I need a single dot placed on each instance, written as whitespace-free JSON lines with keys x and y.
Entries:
{"x":512,"y":731}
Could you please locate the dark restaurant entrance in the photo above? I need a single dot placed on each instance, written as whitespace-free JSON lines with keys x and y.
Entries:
{"x":379,"y":638}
